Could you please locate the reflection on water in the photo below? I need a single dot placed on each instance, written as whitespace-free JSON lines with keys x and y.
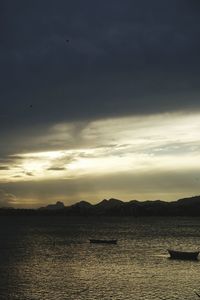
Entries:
{"x":51,"y":258}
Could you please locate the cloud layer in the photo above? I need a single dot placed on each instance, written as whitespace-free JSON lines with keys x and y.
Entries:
{"x":75,"y":60}
{"x":144,"y":157}
{"x":7,"y":199}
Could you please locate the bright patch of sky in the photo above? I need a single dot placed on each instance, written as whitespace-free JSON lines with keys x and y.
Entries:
{"x":133,"y":144}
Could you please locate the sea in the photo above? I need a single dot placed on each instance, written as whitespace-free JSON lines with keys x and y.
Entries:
{"x":51,"y":258}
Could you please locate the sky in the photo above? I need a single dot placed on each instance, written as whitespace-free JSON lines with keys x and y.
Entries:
{"x":99,"y":99}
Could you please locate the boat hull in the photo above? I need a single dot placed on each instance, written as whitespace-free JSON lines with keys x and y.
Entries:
{"x":95,"y":241}
{"x":183,"y":255}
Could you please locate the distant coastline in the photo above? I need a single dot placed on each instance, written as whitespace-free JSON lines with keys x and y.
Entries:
{"x":114,"y":207}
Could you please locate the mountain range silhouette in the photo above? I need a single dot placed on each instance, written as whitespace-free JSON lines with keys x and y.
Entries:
{"x":114,"y":207}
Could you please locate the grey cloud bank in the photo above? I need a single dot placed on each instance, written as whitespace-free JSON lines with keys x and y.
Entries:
{"x":132,"y":57}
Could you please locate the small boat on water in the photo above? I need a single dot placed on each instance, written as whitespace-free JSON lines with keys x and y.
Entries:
{"x":186,"y":255}
{"x":96,"y":241}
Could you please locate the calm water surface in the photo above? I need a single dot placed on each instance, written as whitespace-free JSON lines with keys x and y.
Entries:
{"x":50,"y":258}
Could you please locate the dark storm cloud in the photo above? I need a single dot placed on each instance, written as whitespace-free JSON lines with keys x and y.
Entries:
{"x":71,"y":60}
